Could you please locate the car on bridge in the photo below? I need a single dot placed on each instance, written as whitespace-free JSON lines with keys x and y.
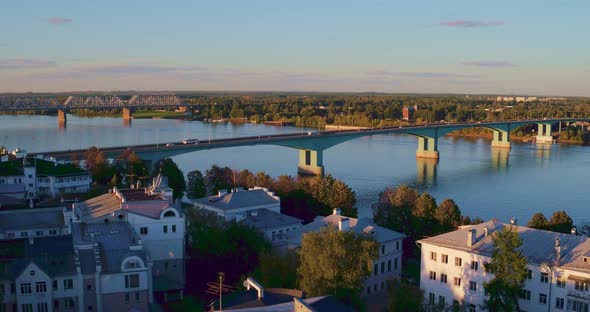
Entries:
{"x":190,"y":141}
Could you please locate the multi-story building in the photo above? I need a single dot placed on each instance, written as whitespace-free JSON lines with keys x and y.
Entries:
{"x":558,"y":279}
{"x":239,"y":203}
{"x":37,"y":222}
{"x":389,"y":263}
{"x":276,"y":227}
{"x":44,"y":178}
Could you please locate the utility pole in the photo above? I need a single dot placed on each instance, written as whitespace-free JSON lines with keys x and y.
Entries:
{"x":220,"y":276}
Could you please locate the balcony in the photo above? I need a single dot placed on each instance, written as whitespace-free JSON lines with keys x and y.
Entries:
{"x":579,"y":294}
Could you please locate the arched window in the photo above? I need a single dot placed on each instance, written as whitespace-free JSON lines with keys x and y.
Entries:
{"x":169,"y":214}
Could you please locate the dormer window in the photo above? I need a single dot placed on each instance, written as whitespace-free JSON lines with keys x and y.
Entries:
{"x":169,"y":214}
{"x":132,"y":264}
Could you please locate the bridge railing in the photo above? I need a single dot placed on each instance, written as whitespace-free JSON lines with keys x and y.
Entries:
{"x":9,"y":103}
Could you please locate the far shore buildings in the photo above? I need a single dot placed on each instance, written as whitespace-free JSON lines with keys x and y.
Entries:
{"x":30,"y":178}
{"x":120,"y":251}
{"x":389,"y":264}
{"x":453,"y":268}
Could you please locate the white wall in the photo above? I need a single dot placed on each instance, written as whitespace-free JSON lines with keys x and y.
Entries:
{"x":115,"y":283}
{"x":160,"y":245}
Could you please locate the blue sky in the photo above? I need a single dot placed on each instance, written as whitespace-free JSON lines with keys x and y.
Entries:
{"x":508,"y":47}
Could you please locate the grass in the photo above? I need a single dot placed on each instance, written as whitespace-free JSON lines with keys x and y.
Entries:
{"x":160,"y":114}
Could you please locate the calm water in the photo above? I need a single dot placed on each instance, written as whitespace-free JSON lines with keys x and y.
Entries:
{"x":484,"y":182}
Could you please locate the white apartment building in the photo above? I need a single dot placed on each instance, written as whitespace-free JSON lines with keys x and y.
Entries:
{"x":239,"y":203}
{"x":44,"y":178}
{"x":385,"y":268}
{"x":452,"y":268}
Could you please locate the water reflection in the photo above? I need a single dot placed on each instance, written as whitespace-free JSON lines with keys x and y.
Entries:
{"x":426,"y":171}
{"x":500,"y":158}
{"x":543,"y":150}
{"x":127,"y":123}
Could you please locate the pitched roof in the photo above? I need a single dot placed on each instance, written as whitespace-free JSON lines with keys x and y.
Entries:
{"x":265,"y":218}
{"x":538,"y":246}
{"x":97,"y":207}
{"x":31,"y":218}
{"x":12,"y":188}
{"x":239,"y":199}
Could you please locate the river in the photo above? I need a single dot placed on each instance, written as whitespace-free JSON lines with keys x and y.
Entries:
{"x":484,"y":182}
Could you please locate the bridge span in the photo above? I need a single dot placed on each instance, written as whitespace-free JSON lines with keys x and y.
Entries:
{"x":312,"y":144}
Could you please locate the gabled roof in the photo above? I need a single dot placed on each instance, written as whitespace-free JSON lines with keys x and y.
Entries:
{"x":239,"y":199}
{"x":98,"y":207}
{"x":538,"y":246}
{"x":265,"y":218}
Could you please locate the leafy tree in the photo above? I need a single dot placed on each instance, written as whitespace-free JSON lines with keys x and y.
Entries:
{"x":394,"y":209}
{"x":333,"y":193}
{"x":196,"y":185}
{"x":284,"y":184}
{"x":425,"y":206}
{"x":335,"y":262}
{"x":404,"y":297}
{"x":561,"y":222}
{"x":263,"y":179}
{"x":218,"y":178}
{"x":538,"y":221}
{"x":509,"y":268}
{"x":175,"y":176}
{"x":277,"y":269}
{"x":448,"y":214}
{"x":95,"y":161}
{"x":129,"y":165}
{"x":246,"y":179}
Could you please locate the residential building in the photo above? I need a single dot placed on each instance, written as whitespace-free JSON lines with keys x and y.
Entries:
{"x":408,"y":113}
{"x":277,"y":228}
{"x":43,"y":178}
{"x":239,"y":203}
{"x":37,"y":222}
{"x":558,"y":279}
{"x":389,"y":263}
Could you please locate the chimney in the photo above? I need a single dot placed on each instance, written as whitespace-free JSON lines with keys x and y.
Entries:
{"x":344,"y":224}
{"x":471,"y":236}
{"x":557,"y":250}
{"x":513,"y":221}
{"x":573,"y":230}
{"x":485,"y":231}
{"x":336,"y":211}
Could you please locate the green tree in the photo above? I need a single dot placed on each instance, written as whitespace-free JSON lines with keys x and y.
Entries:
{"x":332,"y":262}
{"x":404,"y":297}
{"x":538,"y":221}
{"x":176,"y":181}
{"x":560,"y":222}
{"x":218,"y":178}
{"x":448,"y":214}
{"x":394,"y":209}
{"x":196,"y":187}
{"x":246,"y":179}
{"x":264,"y":180}
{"x":509,"y":268}
{"x":277,"y":269}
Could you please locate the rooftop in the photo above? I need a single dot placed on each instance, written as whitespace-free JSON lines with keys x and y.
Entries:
{"x":264,"y":218}
{"x":538,"y":246}
{"x":239,"y":199}
{"x":31,"y":218}
{"x":318,"y":304}
{"x":11,"y":168}
{"x":49,"y":168}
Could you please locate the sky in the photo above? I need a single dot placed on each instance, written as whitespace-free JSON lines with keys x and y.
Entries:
{"x":526,"y":47}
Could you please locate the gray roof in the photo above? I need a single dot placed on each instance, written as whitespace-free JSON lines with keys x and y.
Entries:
{"x":53,"y":254}
{"x":114,"y":240}
{"x":12,"y":188}
{"x":31,"y":218}
{"x":538,"y":246}
{"x":239,"y":199}
{"x":87,"y":261}
{"x":269,"y":219}
{"x":359,"y":226}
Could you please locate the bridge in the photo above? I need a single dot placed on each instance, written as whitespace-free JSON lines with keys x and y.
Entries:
{"x":37,"y":103}
{"x":312,"y":144}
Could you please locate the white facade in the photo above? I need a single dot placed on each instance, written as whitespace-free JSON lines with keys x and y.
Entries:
{"x":163,"y":237}
{"x":456,"y":274}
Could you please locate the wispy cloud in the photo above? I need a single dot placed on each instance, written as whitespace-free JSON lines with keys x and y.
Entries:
{"x":469,"y":24}
{"x":489,"y":63}
{"x":58,"y":20}
{"x":25,"y":63}
{"x":138,"y":69}
{"x":427,"y":75}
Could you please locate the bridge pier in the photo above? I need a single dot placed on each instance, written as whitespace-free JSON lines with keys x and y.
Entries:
{"x":182,"y":109}
{"x":427,"y":147}
{"x":126,"y":113}
{"x":544,"y":134}
{"x":501,"y":139}
{"x":310,"y":163}
{"x":61,"y":118}
{"x":426,"y":170}
{"x":500,"y":158}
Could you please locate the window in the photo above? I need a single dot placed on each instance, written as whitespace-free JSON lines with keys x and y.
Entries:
{"x":1,"y":289}
{"x":68,"y":283}
{"x":383,"y":267}
{"x":388,"y":265}
{"x":474,"y":265}
{"x":375,"y":287}
{"x":174,"y":228}
{"x":458,"y":261}
{"x":382,"y":249}
{"x":575,"y":305}
{"x":132,"y":264}
{"x":472,"y":308}
{"x":559,"y":303}
{"x":89,"y":308}
{"x":169,"y":214}
{"x":24,"y":234}
{"x":11,"y":235}
{"x":525,"y":294}
{"x":143,"y":230}
{"x":52,"y":232}
{"x":433,"y":256}
{"x":41,"y":287}
{"x":441,"y":300}
{"x":529,"y":274}
{"x":544,"y":278}
{"x":126,"y":297}
{"x":137,"y":293}
{"x":69,"y":303}
{"x":395,"y":264}
{"x":444,"y":258}
{"x":581,"y":286}
{"x":165,"y":229}
{"x":39,"y":233}
{"x":472,"y":286}
{"x":457,"y":282}
{"x":431,"y":298}
{"x":381,"y":285}
{"x":432,"y":275}
{"x":542,"y":298}
{"x":132,"y":281}
{"x":27,"y":307}
{"x":42,"y":307}
{"x":397,"y":245}
{"x":55,"y":285}
{"x":12,"y":288}
{"x":561,"y":282}
{"x":443,"y":278}
{"x":368,"y":290}
{"x":376,"y":269}
{"x":25,"y":288}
